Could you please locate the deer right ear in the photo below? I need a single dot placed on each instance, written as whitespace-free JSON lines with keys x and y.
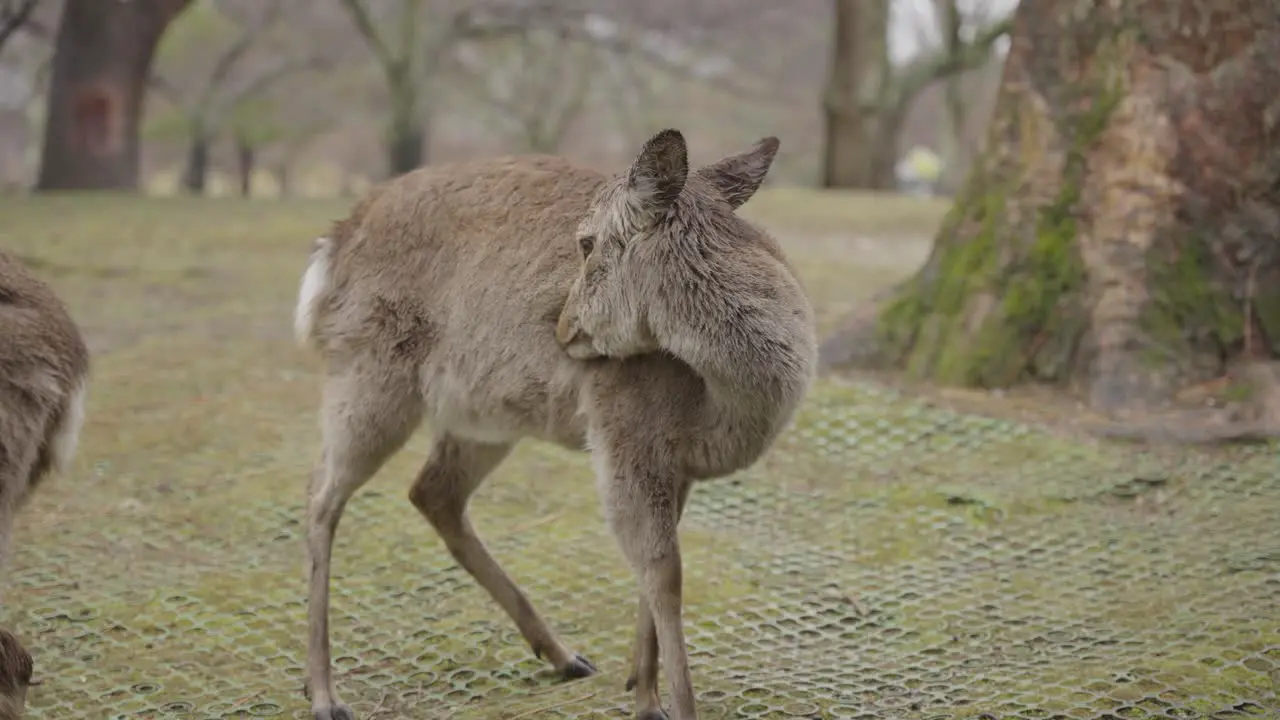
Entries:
{"x":659,"y":172}
{"x":738,"y":177}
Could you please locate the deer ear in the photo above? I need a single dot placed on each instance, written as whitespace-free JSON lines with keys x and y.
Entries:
{"x":659,"y":172}
{"x":738,"y":177}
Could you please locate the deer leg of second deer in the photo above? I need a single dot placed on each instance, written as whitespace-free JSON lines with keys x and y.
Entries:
{"x":454,"y":470}
{"x":7,"y":513}
{"x":644,"y":669}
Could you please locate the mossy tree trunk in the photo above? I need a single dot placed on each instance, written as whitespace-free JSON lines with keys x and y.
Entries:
{"x":1122,"y":231}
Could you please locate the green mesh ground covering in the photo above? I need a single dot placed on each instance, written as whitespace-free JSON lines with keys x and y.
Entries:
{"x":886,"y":561}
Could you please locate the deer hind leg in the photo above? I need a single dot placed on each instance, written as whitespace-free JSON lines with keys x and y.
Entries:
{"x":365,"y":422}
{"x":643,"y":508}
{"x":644,"y":666}
{"x":7,"y":513}
{"x":17,"y":459}
{"x":454,"y":470}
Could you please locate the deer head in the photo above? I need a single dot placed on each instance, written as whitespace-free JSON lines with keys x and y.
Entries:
{"x":654,"y":214}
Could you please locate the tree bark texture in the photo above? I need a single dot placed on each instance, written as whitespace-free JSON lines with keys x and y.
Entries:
{"x":860,"y":147}
{"x":246,"y":163}
{"x":284,"y":178}
{"x":195,"y":177}
{"x":1122,"y":231}
{"x":102,"y":60}
{"x":407,"y":130}
{"x":406,"y":149}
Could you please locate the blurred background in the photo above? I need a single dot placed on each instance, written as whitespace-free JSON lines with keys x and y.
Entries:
{"x":314,"y":98}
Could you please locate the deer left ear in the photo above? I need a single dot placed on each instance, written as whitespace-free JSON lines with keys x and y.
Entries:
{"x":738,"y":177}
{"x":660,"y":170}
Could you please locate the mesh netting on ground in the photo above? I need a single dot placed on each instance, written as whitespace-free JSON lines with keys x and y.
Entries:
{"x":887,"y":560}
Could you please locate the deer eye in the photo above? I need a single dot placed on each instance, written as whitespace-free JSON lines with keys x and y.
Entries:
{"x":587,"y":244}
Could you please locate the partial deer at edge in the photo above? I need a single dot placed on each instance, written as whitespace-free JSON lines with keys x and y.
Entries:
{"x":636,"y":317}
{"x":44,"y":377}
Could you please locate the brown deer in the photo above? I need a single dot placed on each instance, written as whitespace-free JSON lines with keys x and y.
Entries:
{"x":637,"y":317}
{"x":44,"y":375}
{"x":15,"y":676}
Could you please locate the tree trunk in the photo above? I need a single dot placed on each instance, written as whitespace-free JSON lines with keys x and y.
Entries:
{"x":406,"y":150}
{"x":283,"y":179}
{"x":246,"y":156}
{"x":101,"y":64}
{"x":861,"y":136}
{"x":1122,"y":231}
{"x":195,"y":176}
{"x":407,"y":135}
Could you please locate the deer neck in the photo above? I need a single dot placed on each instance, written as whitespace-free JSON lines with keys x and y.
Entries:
{"x":754,"y":378}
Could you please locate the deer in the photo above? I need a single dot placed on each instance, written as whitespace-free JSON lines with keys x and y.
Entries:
{"x":44,"y":375}
{"x":16,"y":669}
{"x":636,"y":317}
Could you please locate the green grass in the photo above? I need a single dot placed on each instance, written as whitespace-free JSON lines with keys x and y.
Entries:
{"x":888,"y":559}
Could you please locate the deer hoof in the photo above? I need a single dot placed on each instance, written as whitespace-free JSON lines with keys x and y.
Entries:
{"x":578,"y":667}
{"x":337,"y":711}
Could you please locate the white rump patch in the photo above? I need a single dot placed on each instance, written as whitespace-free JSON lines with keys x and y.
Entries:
{"x":66,"y":436}
{"x":314,"y":282}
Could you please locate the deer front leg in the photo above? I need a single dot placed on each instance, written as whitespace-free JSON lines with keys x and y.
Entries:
{"x":644,"y":665}
{"x":643,"y":508}
{"x":644,"y":668}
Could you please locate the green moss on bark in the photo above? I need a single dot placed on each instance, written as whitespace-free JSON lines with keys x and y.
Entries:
{"x":1266,"y":307}
{"x":992,"y":302}
{"x":1188,"y":309}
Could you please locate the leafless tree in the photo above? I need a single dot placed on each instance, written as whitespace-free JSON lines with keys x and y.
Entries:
{"x":867,"y":97}
{"x":14,"y":14}
{"x":539,"y":83}
{"x":225,"y":86}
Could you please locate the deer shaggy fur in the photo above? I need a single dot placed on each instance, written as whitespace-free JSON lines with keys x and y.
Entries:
{"x":44,"y":375}
{"x":637,"y":317}
{"x":15,"y":676}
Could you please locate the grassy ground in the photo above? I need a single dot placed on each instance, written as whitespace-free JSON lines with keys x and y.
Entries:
{"x":889,"y":559}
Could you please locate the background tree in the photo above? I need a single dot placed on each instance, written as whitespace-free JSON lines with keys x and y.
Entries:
{"x":1122,"y":231}
{"x":868,"y":97}
{"x":403,"y":57}
{"x":103,"y":56}
{"x":14,"y":14}
{"x":539,"y":83}
{"x":219,"y":57}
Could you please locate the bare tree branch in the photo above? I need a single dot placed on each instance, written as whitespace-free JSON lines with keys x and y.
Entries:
{"x":548,"y":82}
{"x":364,"y":23}
{"x":165,"y":89}
{"x":11,"y":18}
{"x":950,"y":20}
{"x":494,"y":23}
{"x":228,"y":60}
{"x":942,"y":62}
{"x":274,"y":75}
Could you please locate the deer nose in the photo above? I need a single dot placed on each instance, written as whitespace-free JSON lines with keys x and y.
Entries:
{"x":566,"y":329}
